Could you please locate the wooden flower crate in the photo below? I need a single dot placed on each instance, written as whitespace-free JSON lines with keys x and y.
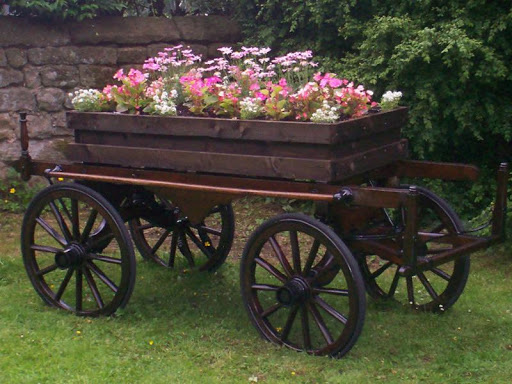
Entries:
{"x":287,"y":150}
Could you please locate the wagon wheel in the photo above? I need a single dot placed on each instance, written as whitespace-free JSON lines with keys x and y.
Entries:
{"x":77,"y":251}
{"x":204,"y":246}
{"x":301,"y":286}
{"x":435,"y":289}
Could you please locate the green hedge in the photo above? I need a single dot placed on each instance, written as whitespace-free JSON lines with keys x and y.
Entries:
{"x":451,"y":59}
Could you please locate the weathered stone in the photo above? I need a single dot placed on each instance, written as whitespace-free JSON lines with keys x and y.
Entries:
{"x":47,"y":150}
{"x":40,"y":126}
{"x":53,"y":55}
{"x":10,"y":77}
{"x":3,"y":58}
{"x":32,"y":77}
{"x":16,"y":57}
{"x":95,"y":76}
{"x":9,"y":150}
{"x":7,"y":127}
{"x":51,"y":99}
{"x":124,"y":30}
{"x":98,"y":55}
{"x":61,"y":76}
{"x":59,"y":124}
{"x":131,"y":55}
{"x":208,"y":28}
{"x":30,"y":32}
{"x":16,"y":99}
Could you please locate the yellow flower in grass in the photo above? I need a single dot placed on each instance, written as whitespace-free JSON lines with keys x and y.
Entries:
{"x":12,"y":190}
{"x":151,"y":342}
{"x":60,"y":179}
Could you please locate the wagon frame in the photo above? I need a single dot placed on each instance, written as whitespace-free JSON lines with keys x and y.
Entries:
{"x":344,"y":226}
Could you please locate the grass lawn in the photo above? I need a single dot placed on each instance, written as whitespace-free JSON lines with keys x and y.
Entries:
{"x":191,"y":328}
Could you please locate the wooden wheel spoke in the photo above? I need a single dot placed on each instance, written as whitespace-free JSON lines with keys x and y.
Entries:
{"x":45,"y":248}
{"x":47,"y":270}
{"x":311,"y":257}
{"x":294,"y":242}
{"x":331,"y":291}
{"x":78,"y":290}
{"x":105,"y":259}
{"x":211,"y":231}
{"x":306,"y":334}
{"x":172,"y":250}
{"x":89,"y":225}
{"x":320,"y":323}
{"x":198,"y":243}
{"x":394,"y":283}
{"x":185,"y":249}
{"x":289,"y":323}
{"x":143,"y":227}
{"x":65,"y":209}
{"x":64,"y":284}
{"x":436,"y":251}
{"x":272,"y":309}
{"x":96,"y":241}
{"x":381,"y":270}
{"x":264,"y":287}
{"x":271,"y":269}
{"x":51,"y":231}
{"x":428,"y":287}
{"x":281,"y":256}
{"x":442,"y":274}
{"x":330,"y":310}
{"x":410,"y":290}
{"x":160,"y":241}
{"x":102,"y":276}
{"x":75,"y":219}
{"x":94,"y":288}
{"x":61,"y":222}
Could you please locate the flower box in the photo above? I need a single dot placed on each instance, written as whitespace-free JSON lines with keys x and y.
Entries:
{"x":254,"y":148}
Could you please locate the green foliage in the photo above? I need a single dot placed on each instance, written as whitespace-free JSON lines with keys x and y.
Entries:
{"x":65,"y":9}
{"x":450,"y":59}
{"x":15,"y":194}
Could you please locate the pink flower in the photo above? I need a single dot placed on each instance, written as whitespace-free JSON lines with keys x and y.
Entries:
{"x":119,"y":75}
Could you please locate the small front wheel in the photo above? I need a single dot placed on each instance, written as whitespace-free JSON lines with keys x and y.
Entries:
{"x":77,"y":251}
{"x":302,"y":287}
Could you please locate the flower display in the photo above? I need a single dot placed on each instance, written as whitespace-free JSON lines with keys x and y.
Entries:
{"x":241,"y":84}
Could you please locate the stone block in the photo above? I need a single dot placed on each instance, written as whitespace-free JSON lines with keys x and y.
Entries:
{"x":3,"y":58}
{"x":30,"y":32}
{"x":32,"y":77}
{"x":8,"y":125}
{"x":124,"y":30}
{"x":53,"y":55}
{"x":97,"y":55}
{"x":10,"y":77}
{"x":50,"y":99}
{"x":131,"y":55}
{"x":208,"y":28}
{"x":96,"y":76}
{"x":40,"y":126}
{"x":59,"y":124}
{"x":16,"y":57}
{"x":16,"y":99}
{"x":9,"y":150}
{"x":60,"y":76}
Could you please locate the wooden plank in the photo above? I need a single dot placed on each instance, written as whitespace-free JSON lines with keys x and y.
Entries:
{"x":263,"y":166}
{"x":366,"y":161}
{"x":281,"y":131}
{"x":257,"y":148}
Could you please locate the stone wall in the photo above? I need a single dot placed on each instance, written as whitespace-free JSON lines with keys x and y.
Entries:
{"x":40,"y":64}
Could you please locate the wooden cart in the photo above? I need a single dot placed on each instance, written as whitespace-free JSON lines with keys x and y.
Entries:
{"x":303,"y":279}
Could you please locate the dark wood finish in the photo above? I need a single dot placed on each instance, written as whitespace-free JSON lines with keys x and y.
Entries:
{"x":291,"y":150}
{"x":499,"y":213}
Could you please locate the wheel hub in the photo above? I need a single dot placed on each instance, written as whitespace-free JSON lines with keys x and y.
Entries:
{"x":294,"y":291}
{"x":72,"y":256}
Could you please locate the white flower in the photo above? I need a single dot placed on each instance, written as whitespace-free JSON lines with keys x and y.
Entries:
{"x":327,"y":114}
{"x":250,"y":108}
